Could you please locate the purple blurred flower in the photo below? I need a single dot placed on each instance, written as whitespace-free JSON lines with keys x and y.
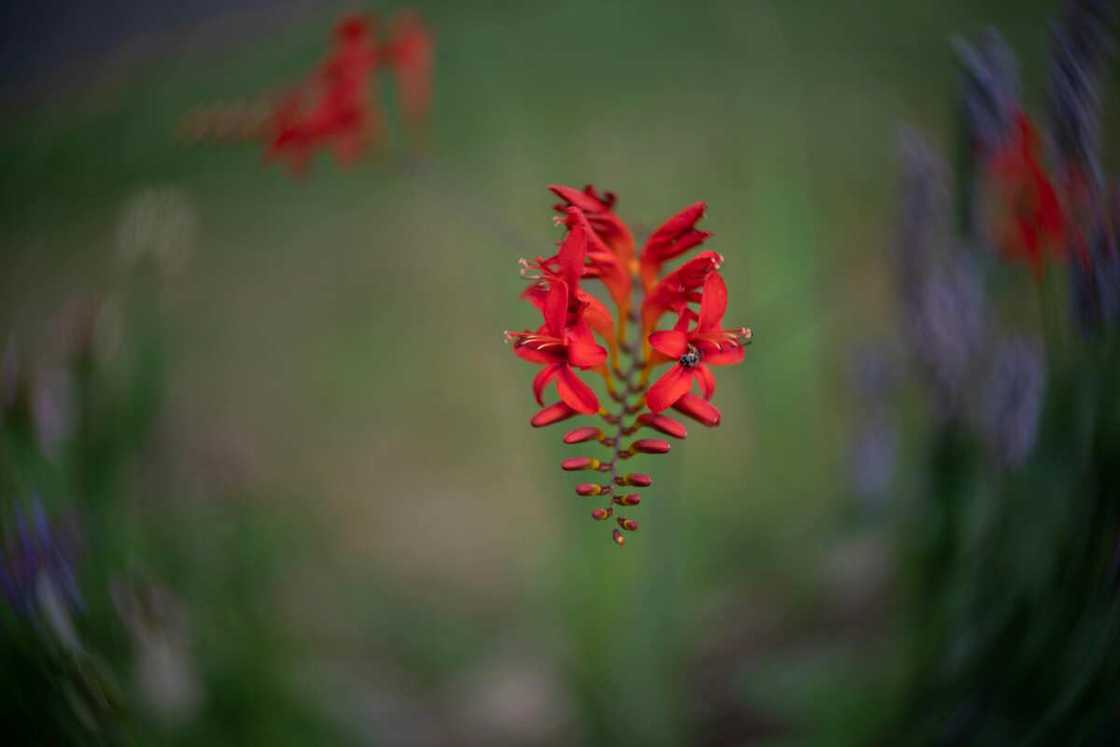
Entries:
{"x":1081,"y":44}
{"x":1096,"y":282}
{"x":37,"y":562}
{"x":874,"y":448}
{"x":1013,"y":400}
{"x":989,"y":90}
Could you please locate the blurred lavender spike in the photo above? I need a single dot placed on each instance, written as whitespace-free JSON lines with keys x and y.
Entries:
{"x":990,"y":89}
{"x":1082,"y":42}
{"x":1013,"y":399}
{"x":1096,"y":281}
{"x":39,"y":555}
{"x":924,"y":208}
{"x":874,"y":448}
{"x":940,"y":287}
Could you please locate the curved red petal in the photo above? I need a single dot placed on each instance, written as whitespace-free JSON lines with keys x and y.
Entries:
{"x":573,"y":249}
{"x":673,"y":385}
{"x":583,"y":352}
{"x":540,"y":381}
{"x":713,"y":302}
{"x":539,"y":357}
{"x":574,"y":392}
{"x":556,"y":308}
{"x":707,"y":380}
{"x":672,"y":343}
{"x":728,"y":356}
{"x":699,"y":409}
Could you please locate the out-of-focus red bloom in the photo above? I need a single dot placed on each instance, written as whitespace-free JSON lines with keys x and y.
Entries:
{"x":411,"y":53}
{"x":679,"y":288}
{"x":1029,"y":221}
{"x":675,"y":237}
{"x":707,"y":344}
{"x":559,"y":348}
{"x":333,"y":110}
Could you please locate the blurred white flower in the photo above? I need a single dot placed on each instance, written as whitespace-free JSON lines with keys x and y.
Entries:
{"x":159,"y":224}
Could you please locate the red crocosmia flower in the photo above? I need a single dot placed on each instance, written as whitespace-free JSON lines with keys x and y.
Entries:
{"x":600,"y":214}
{"x":675,"y":237}
{"x":599,"y":247}
{"x":410,"y":52}
{"x":568,"y":265}
{"x":559,"y":348}
{"x":708,"y":344}
{"x":679,"y":288}
{"x":1030,"y":221}
{"x":603,"y":263}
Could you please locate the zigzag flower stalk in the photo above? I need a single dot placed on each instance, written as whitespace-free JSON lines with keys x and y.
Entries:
{"x":598,"y":246}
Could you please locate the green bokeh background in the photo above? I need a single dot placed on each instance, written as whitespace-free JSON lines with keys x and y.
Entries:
{"x":335,"y":351}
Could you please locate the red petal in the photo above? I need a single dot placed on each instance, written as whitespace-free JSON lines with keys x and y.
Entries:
{"x":698,"y":409}
{"x":713,"y":303}
{"x":539,"y":357}
{"x":728,"y":356}
{"x":575,"y":393}
{"x":707,"y":380}
{"x":666,"y":425}
{"x":540,"y":381}
{"x":584,"y":353}
{"x":672,"y":343}
{"x":673,"y":385}
{"x":571,"y":254}
{"x":597,"y":316}
{"x":576,"y":197}
{"x":556,"y":308}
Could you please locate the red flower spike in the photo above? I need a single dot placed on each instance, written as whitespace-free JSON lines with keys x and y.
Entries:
{"x":575,"y":464}
{"x":598,"y":247}
{"x":552,"y":414}
{"x":1030,"y":222}
{"x":602,"y":514}
{"x":579,"y":435}
{"x":675,"y":237}
{"x":666,"y":425}
{"x":650,"y":446}
{"x":699,"y":409}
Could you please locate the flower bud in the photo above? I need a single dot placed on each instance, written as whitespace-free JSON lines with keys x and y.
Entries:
{"x":630,"y":525}
{"x":602,"y":514}
{"x":580,"y":435}
{"x":618,"y":538}
{"x":574,"y":464}
{"x":636,"y":479}
{"x":552,"y":414}
{"x":666,"y":425}
{"x":699,"y":409}
{"x":650,"y":446}
{"x":590,"y":488}
{"x":632,"y":499}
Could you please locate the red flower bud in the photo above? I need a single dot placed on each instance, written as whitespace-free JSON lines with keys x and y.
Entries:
{"x":590,"y":488}
{"x":574,"y":464}
{"x":650,"y":446}
{"x":630,"y":525}
{"x":633,"y":499}
{"x":552,"y":414}
{"x":666,"y":425}
{"x":699,"y":409}
{"x":579,"y":435}
{"x":618,"y":538}
{"x":602,"y":514}
{"x":636,"y":479}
